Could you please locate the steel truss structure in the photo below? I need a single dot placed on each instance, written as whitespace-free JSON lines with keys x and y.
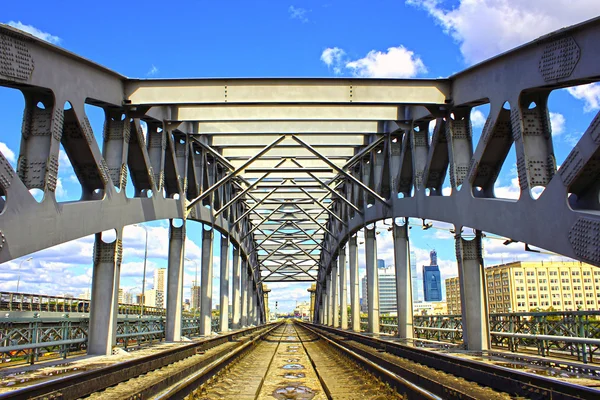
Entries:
{"x":289,"y":170}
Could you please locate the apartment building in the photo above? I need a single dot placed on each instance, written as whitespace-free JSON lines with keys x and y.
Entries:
{"x":525,"y":286}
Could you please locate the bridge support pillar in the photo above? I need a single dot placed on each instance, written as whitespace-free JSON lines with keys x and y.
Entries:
{"x":328,"y":312}
{"x":175,"y":282}
{"x":354,"y":282}
{"x":235,"y":296}
{"x":244,"y":294}
{"x":335,"y":316}
{"x":372,"y":280}
{"x":403,"y":280}
{"x":104,"y":305}
{"x":266,"y":310}
{"x":343,"y":289}
{"x":251,"y":301}
{"x":206,"y":283}
{"x":224,"y":283}
{"x":473,"y":292}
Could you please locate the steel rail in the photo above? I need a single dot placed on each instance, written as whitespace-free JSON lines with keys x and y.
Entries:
{"x":496,"y":377}
{"x":88,"y":382}
{"x":400,"y":384}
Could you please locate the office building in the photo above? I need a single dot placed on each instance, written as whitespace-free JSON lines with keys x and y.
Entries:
{"x":154,"y":298}
{"x":128,"y":297}
{"x":302,"y":310}
{"x":432,"y":280}
{"x":387,"y":291}
{"x":363,"y":300}
{"x":195,"y":297}
{"x":526,"y":286}
{"x":121,"y":294}
{"x":380,"y":263}
{"x":159,"y":279}
{"x":417,"y":281}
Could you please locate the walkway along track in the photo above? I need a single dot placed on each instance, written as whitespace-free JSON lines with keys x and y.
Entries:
{"x":188,"y":358}
{"x":402,"y":360}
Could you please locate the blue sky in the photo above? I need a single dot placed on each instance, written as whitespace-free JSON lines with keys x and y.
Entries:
{"x":414,"y":38}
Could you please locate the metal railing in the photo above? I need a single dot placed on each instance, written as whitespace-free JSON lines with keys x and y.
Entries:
{"x":29,"y":339}
{"x":575,"y":334}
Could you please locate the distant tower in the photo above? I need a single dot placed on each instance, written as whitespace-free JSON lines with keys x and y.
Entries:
{"x":380,"y":263}
{"x":432,"y":282}
{"x":433,"y":257}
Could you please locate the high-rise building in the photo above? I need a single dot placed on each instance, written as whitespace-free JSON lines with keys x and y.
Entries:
{"x":432,"y":280}
{"x":121,"y":293}
{"x":387,"y":291}
{"x":433,"y":257}
{"x":525,"y":286}
{"x":154,"y":298}
{"x":417,"y":281}
{"x":363,"y":299}
{"x":195,"y":297}
{"x":128,"y":297}
{"x":159,"y":279}
{"x":380,"y":263}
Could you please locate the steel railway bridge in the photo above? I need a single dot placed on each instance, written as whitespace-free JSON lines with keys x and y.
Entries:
{"x":289,"y":170}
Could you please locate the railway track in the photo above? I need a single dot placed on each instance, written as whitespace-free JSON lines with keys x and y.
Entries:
{"x":416,"y":365}
{"x":144,"y":377}
{"x":301,"y":361}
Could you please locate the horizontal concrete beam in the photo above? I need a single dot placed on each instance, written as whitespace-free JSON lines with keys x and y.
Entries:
{"x":275,"y":112}
{"x":278,"y":90}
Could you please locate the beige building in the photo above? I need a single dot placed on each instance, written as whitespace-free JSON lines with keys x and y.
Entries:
{"x":154,"y":298}
{"x":195,"y":297}
{"x":159,"y":279}
{"x":525,"y":286}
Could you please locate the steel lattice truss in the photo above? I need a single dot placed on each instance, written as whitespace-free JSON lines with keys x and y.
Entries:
{"x":291,"y":168}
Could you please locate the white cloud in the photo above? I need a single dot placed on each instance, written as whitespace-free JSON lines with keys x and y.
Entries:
{"x":590,"y":94}
{"x":510,"y":191}
{"x":60,"y":191}
{"x":557,"y":122}
{"x":396,"y":62}
{"x":477,"y":118}
{"x":485,"y":28}
{"x":34,"y":31}
{"x":152,"y":71}
{"x":8,"y":153}
{"x":332,"y":57}
{"x":298,"y":13}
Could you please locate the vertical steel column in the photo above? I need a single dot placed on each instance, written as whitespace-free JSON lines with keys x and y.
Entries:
{"x":235,"y":296}
{"x":328,"y":307}
{"x":206,"y":283}
{"x":252,"y":300}
{"x":372,"y":280}
{"x":224,"y":283}
{"x":473,"y":292}
{"x":266,"y":306}
{"x":104,"y":305}
{"x":354,"y":282}
{"x":175,"y":282}
{"x":244,"y":288}
{"x":343,"y":289}
{"x":334,"y":296}
{"x":404,"y":299}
